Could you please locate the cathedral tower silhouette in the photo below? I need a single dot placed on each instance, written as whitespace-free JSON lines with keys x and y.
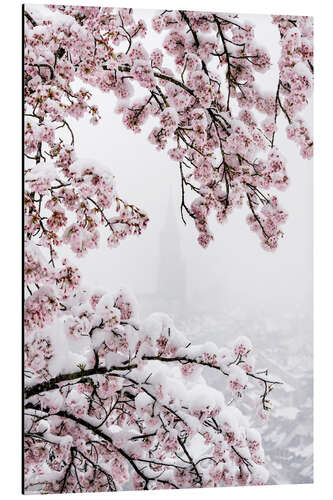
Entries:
{"x":171,"y":278}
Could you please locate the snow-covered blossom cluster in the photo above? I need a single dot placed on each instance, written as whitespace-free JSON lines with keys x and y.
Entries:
{"x":112,"y":401}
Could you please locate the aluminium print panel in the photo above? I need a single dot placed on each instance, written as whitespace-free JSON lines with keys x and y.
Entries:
{"x":167,"y":249}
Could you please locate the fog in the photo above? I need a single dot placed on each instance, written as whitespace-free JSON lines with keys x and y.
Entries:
{"x":234,"y":271}
{"x":234,"y":286}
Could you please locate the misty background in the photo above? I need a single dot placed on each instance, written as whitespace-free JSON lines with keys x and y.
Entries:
{"x":231,"y":288}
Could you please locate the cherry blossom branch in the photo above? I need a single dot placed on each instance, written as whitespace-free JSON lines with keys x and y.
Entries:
{"x":102,"y":370}
{"x":100,"y":433}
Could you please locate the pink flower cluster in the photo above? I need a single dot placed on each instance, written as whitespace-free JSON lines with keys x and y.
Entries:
{"x":40,"y":309}
{"x":296,"y":76}
{"x":267,"y":222}
{"x":299,"y":133}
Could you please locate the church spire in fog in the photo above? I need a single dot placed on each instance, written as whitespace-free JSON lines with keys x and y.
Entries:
{"x":171,"y":282}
